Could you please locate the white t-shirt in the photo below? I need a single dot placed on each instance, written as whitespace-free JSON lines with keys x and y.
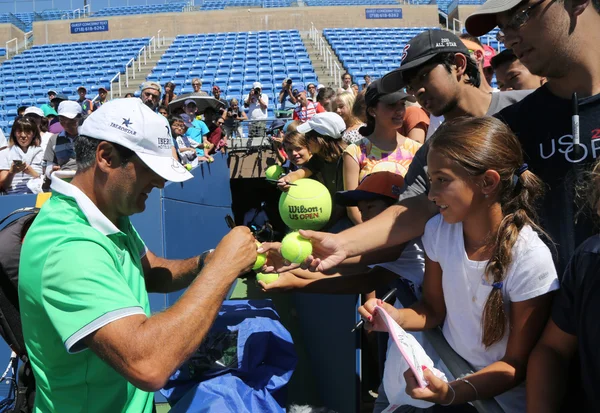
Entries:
{"x":45,"y":139}
{"x":466,"y":290}
{"x":3,"y":141}
{"x":255,"y":112}
{"x":434,"y":123}
{"x":33,"y":157}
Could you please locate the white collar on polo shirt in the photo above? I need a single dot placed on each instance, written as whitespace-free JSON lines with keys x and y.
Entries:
{"x":94,"y":216}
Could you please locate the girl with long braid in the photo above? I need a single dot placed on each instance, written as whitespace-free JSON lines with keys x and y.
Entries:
{"x":488,"y":275}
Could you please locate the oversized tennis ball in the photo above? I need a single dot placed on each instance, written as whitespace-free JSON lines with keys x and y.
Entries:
{"x":295,"y":248}
{"x":260,"y":259}
{"x":267,"y":278}
{"x":306,"y":205}
{"x":274,"y":172}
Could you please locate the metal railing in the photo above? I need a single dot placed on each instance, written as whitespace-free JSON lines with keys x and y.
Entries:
{"x":460,"y":25}
{"x":445,"y":16}
{"x":16,"y":41}
{"x":117,"y":78}
{"x":28,"y":40}
{"x":334,"y":70}
{"x":77,"y":13}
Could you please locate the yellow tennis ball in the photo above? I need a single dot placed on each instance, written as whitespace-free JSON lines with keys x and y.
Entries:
{"x":267,"y":278}
{"x":261,"y":259}
{"x":295,"y":248}
{"x":274,"y":172}
{"x":306,"y":205}
{"x":188,"y":166}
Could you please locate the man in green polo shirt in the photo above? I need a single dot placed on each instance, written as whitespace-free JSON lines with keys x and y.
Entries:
{"x":85,"y":274}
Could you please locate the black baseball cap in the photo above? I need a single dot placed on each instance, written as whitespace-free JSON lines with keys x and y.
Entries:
{"x":418,"y":51}
{"x":375,"y":93}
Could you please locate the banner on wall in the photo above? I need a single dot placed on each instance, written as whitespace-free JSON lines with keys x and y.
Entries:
{"x":383,"y":13}
{"x":88,"y":27}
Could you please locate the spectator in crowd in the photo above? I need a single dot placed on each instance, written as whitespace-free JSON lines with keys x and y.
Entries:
{"x":216,"y":93}
{"x":3,"y":140}
{"x":257,"y":104}
{"x":344,"y":103}
{"x":191,"y":109}
{"x":151,"y":94}
{"x":415,"y":124}
{"x":60,"y":152}
{"x":196,"y":128}
{"x":37,"y":115}
{"x":22,"y":160}
{"x":355,"y":89}
{"x":511,"y":74}
{"x":169,"y":94}
{"x":367,"y":79}
{"x":324,"y":136}
{"x":311,"y":92}
{"x":326,"y":97}
{"x":215,"y":136}
{"x":86,"y":104}
{"x":296,"y":148}
{"x":163,"y":110}
{"x":21,"y":111}
{"x":559,"y":42}
{"x":346,"y":83}
{"x":477,"y":52}
{"x":382,"y":148}
{"x":54,"y":125}
{"x":306,"y":109}
{"x":233,"y":118}
{"x":197,"y":86}
{"x":185,"y":145}
{"x":51,"y":95}
{"x":286,"y":96}
{"x":83,"y":245}
{"x":129,"y":95}
{"x":102,"y":98}
{"x":488,"y":71}
{"x":484,"y":236}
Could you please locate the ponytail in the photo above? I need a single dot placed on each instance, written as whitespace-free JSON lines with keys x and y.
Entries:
{"x":518,"y":210}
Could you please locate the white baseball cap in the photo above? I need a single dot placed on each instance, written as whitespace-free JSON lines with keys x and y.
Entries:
{"x":34,"y":110}
{"x":132,"y":124}
{"x":69,"y":109}
{"x":325,"y":123}
{"x":256,"y":84}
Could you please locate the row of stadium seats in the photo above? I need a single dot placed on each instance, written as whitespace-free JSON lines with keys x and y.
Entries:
{"x":26,"y":78}
{"x":233,"y":61}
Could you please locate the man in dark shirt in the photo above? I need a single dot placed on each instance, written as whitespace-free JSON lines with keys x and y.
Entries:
{"x":559,"y":40}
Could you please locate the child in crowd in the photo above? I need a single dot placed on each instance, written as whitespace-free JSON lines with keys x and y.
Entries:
{"x":296,"y":148}
{"x":488,"y":275}
{"x":188,"y":148}
{"x":324,"y":137}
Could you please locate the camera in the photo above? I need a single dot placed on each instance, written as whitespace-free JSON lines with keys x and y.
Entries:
{"x":257,"y":91}
{"x":289,"y":81}
{"x":234,"y":116}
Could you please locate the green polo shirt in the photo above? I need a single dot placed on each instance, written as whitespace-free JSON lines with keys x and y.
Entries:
{"x":78,"y":273}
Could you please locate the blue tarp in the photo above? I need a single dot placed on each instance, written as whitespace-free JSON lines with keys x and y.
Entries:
{"x":244,"y":364}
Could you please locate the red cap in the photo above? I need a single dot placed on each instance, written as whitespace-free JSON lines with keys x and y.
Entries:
{"x":488,"y":53}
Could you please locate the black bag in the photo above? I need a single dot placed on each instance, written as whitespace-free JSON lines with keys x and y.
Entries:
{"x":22,"y":393}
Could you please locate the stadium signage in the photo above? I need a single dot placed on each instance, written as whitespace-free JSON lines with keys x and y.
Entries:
{"x":383,"y":13}
{"x":88,"y":27}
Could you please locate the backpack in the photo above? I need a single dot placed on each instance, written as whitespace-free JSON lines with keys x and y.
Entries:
{"x":22,"y":391}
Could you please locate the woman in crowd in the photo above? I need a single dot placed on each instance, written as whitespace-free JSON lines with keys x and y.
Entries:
{"x":324,"y":137}
{"x":382,"y":148}
{"x":162,"y":109}
{"x":232,"y":120}
{"x":37,"y":115}
{"x":22,"y":160}
{"x":488,"y":275}
{"x":345,"y":103}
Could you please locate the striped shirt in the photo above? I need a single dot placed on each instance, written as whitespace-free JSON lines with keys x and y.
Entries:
{"x":60,"y":149}
{"x":304,"y":114}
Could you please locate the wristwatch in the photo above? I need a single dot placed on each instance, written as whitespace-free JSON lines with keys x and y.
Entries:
{"x":202,"y":259}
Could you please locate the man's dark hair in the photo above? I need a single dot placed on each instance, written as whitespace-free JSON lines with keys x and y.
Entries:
{"x":596,"y":4}
{"x":471,"y":38}
{"x":325,"y":97}
{"x":447,"y":60}
{"x":85,"y":152}
{"x":504,"y":57}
